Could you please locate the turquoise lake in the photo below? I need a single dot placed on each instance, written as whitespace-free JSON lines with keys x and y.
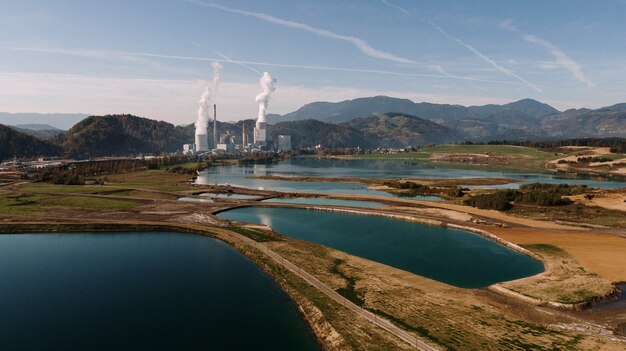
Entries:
{"x":450,"y":256}
{"x":324,"y":201}
{"x":140,"y":291}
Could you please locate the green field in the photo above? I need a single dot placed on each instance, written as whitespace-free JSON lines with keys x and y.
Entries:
{"x":513,"y":157}
{"x":152,"y":179}
{"x":491,"y":149}
{"x":41,"y":202}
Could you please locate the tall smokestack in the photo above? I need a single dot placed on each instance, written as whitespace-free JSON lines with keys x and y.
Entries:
{"x":204,"y":104}
{"x":243,"y":134}
{"x":215,"y":125}
{"x":260,"y":132}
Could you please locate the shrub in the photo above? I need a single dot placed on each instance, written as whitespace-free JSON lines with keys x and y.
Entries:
{"x":500,"y":200}
{"x":455,"y":192}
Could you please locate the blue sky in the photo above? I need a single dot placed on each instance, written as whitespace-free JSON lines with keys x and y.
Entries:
{"x":153,"y":58}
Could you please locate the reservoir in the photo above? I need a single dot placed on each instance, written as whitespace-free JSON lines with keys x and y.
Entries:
{"x":450,"y":256}
{"x":140,"y":291}
{"x":341,"y":168}
{"x":324,"y":201}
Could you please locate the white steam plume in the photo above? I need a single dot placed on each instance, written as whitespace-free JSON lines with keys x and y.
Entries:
{"x":267,"y":85}
{"x":205,"y":101}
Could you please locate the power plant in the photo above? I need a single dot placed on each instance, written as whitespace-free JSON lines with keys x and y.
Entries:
{"x":204,"y":104}
{"x":260,"y":131}
{"x":215,"y":126}
{"x":227,"y":142}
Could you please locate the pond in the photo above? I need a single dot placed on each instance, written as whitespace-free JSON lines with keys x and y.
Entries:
{"x":324,"y":201}
{"x":140,"y":291}
{"x":450,"y":256}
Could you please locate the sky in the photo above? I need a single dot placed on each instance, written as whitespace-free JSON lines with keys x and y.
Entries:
{"x":153,"y":58}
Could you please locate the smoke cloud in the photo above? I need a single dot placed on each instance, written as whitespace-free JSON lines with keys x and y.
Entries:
{"x":267,"y":85}
{"x":204,"y":104}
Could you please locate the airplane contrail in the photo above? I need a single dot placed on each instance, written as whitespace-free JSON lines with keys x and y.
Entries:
{"x":485,"y":58}
{"x":360,"y":44}
{"x":126,"y":55}
{"x":239,"y":63}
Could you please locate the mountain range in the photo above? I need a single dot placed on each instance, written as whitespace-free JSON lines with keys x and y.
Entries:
{"x":523,"y":119}
{"x":372,"y":122}
{"x":63,"y":121}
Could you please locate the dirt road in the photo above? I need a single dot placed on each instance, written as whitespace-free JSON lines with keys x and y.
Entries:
{"x":328,"y":291}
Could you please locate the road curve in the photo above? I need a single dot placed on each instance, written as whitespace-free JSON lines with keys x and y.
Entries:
{"x":328,"y":291}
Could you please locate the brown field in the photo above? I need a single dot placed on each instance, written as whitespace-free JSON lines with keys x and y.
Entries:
{"x":603,"y":254}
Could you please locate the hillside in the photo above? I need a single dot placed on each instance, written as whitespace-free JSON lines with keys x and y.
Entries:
{"x":600,"y":123}
{"x":15,"y":143}
{"x":122,"y":135}
{"x":529,"y":107}
{"x":400,"y":130}
{"x":310,"y":132}
{"x":364,"y":107}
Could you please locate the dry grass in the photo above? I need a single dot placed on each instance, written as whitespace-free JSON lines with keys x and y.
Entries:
{"x":564,"y":280}
{"x":457,"y":319}
{"x":599,"y":253}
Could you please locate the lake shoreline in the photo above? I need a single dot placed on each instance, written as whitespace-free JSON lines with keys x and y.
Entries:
{"x":317,"y":325}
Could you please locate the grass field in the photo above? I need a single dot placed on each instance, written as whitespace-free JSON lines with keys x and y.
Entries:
{"x":152,"y":179}
{"x":501,"y":156}
{"x":564,"y":281}
{"x":491,"y":149}
{"x":186,"y":165}
{"x":41,"y":202}
{"x":59,"y":188}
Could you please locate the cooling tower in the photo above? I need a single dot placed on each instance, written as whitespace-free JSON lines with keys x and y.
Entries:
{"x":202,"y":143}
{"x":260,"y":136}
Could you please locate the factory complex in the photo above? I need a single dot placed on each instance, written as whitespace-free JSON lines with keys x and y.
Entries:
{"x":232,"y":143}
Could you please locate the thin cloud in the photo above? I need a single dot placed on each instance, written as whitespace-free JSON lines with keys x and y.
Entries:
{"x":359,"y":43}
{"x":562,"y":59}
{"x":139,"y":55}
{"x":442,"y":70}
{"x":508,"y":25}
{"x":485,"y":58}
{"x":438,"y":68}
{"x":399,"y":8}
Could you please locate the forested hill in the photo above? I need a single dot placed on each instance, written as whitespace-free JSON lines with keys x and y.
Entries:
{"x":15,"y":143}
{"x":397,"y":130}
{"x":310,"y":132}
{"x":110,"y":135}
{"x":120,"y":135}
